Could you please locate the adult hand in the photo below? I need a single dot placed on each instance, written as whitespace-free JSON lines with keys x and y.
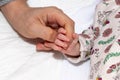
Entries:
{"x":36,"y":22}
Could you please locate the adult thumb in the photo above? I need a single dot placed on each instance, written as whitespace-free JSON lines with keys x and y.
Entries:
{"x":45,"y":33}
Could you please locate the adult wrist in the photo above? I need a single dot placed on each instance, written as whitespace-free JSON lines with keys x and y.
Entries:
{"x":14,"y":7}
{"x":3,"y":2}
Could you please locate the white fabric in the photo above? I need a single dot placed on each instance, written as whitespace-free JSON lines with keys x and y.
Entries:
{"x":19,"y":59}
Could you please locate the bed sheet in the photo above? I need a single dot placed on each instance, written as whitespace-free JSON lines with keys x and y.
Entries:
{"x":19,"y":59}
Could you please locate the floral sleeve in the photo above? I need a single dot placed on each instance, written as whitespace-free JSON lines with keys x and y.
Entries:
{"x":86,"y":42}
{"x":86,"y":39}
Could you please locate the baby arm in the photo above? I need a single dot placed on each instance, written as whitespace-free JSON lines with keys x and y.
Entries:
{"x":77,"y":50}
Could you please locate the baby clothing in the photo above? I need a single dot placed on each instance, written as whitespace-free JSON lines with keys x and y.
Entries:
{"x":101,"y":42}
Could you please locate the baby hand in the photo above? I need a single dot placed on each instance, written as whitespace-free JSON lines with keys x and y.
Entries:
{"x":61,"y":44}
{"x":74,"y":48}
